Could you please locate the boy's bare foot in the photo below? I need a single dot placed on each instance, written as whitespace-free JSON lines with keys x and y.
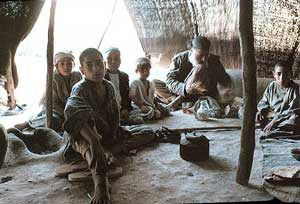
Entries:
{"x":101,"y":193}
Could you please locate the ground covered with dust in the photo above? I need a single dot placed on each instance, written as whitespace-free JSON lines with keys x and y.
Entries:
{"x":157,"y":174}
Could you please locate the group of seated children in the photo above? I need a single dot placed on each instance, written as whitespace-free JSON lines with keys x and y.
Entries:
{"x":141,"y":91}
{"x":65,"y":77}
{"x":92,"y":114}
{"x":94,"y":106}
{"x":89,"y":110}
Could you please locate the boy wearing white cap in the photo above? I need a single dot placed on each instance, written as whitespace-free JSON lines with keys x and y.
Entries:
{"x":63,"y":80}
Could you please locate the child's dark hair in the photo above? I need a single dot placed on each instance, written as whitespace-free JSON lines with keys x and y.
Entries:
{"x":142,"y":61}
{"x":284,"y":64}
{"x":87,"y":52}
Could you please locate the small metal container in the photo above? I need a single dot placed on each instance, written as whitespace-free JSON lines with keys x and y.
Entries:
{"x":194,"y":147}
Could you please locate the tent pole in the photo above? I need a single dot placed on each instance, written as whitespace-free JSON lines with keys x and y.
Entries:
{"x":10,"y":87}
{"x":50,"y":48}
{"x":249,"y":86}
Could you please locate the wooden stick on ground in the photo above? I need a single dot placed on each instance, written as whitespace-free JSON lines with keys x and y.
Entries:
{"x":219,"y":128}
{"x":249,"y":89}
{"x":50,"y":48}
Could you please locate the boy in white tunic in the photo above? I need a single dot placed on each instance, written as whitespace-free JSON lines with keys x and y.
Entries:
{"x":120,"y":80}
{"x":142,"y":93}
{"x":279,"y":107}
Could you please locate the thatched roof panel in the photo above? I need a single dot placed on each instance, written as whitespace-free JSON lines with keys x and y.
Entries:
{"x":165,"y":27}
{"x":276,"y":29}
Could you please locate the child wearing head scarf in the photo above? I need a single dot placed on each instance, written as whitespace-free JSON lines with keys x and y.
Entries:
{"x":63,"y":80}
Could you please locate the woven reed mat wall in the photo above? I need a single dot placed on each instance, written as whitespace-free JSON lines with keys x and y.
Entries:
{"x":166,"y":27}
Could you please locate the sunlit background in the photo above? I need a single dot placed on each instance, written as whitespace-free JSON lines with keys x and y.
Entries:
{"x":79,"y":24}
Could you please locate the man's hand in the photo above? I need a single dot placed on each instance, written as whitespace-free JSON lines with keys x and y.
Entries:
{"x":226,"y":95}
{"x":189,"y":88}
{"x":195,"y":88}
{"x":198,"y":81}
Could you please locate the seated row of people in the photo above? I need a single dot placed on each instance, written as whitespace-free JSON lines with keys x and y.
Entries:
{"x":94,"y":107}
{"x":194,"y":75}
{"x":141,"y":91}
{"x":88,"y":109}
{"x":92,"y":117}
{"x":136,"y":102}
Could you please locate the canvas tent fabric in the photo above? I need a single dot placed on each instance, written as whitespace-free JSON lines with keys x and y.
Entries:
{"x":165,"y":27}
{"x":16,"y":21}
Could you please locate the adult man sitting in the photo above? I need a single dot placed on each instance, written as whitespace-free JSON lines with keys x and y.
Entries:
{"x":193,"y":74}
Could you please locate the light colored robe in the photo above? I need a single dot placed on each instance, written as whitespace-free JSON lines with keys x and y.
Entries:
{"x":61,"y":89}
{"x":140,"y":96}
{"x":284,"y":102}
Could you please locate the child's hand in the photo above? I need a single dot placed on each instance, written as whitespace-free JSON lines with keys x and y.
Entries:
{"x":157,"y":114}
{"x":145,"y":109}
{"x":269,"y":126}
{"x":124,"y":113}
{"x":259,"y":117}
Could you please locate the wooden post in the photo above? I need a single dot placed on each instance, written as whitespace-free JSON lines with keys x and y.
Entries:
{"x":10,"y":85}
{"x":249,"y":90}
{"x":50,"y":48}
{"x":3,"y":144}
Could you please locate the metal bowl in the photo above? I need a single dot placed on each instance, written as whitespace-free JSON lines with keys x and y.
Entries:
{"x":296,"y":153}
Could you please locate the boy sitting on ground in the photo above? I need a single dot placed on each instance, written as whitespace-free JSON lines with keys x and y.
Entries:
{"x":279,"y":107}
{"x":92,"y":122}
{"x":119,"y":79}
{"x":63,"y":80}
{"x":142,"y":93}
{"x":92,"y":119}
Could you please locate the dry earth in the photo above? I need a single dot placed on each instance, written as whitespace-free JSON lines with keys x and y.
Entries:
{"x":157,"y":174}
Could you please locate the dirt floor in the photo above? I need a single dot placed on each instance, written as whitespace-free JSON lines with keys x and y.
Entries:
{"x":157,"y":174}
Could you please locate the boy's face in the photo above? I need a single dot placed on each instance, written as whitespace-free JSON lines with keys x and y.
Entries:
{"x":65,"y":66}
{"x":113,"y":61}
{"x":282,"y":75}
{"x":143,"y":71}
{"x":93,"y":67}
